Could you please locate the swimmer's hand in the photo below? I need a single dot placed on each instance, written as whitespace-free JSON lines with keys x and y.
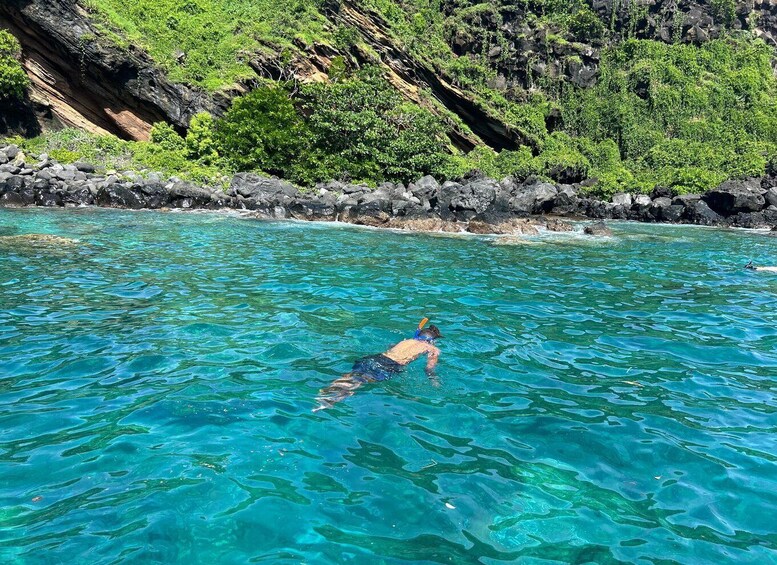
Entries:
{"x":434,"y":380}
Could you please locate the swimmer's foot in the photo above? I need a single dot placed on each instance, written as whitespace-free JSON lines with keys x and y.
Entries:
{"x":323,"y":404}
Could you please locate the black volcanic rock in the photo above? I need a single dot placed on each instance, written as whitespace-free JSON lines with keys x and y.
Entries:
{"x":733,"y":197}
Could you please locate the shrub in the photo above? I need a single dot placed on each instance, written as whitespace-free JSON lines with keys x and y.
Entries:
{"x":262,"y":130}
{"x":201,"y":142}
{"x":519,"y":164}
{"x":585,"y":25}
{"x":361,"y":128}
{"x":13,"y":80}
{"x":561,"y":159}
{"x":682,"y":116}
{"x":164,"y":135}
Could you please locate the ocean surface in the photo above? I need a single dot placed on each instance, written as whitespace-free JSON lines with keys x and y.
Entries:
{"x":603,"y":400}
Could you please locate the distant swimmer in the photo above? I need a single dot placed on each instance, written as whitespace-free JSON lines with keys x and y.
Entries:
{"x":384,"y":366}
{"x":754,"y":268}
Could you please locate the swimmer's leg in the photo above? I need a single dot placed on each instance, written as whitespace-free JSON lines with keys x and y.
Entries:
{"x":339,"y":390}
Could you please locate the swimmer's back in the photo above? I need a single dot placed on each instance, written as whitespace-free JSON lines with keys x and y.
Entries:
{"x":408,"y":350}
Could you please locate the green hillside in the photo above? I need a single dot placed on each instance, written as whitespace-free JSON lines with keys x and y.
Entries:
{"x":677,"y":114}
{"x":210,"y":43}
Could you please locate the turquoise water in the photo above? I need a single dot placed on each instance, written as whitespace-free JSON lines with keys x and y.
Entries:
{"x":603,"y":400}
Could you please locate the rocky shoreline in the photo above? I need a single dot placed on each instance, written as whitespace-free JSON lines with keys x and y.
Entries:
{"x":476,"y":204}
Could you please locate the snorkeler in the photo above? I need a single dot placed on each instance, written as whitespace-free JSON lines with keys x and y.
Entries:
{"x":384,"y":366}
{"x":754,"y":268}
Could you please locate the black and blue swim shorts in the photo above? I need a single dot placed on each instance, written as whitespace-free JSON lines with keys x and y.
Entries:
{"x":375,"y":368}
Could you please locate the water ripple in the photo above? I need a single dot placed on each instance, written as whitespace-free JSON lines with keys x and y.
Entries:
{"x":603,"y":400}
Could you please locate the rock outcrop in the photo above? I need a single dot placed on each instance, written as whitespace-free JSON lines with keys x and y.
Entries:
{"x":475,"y":205}
{"x":87,"y":81}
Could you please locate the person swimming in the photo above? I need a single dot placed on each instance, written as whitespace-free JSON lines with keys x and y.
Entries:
{"x":384,"y":366}
{"x":754,"y":268}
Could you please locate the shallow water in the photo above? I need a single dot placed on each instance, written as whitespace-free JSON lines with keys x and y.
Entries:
{"x":603,"y":399}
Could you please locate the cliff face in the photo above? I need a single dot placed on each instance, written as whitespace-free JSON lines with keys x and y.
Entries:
{"x":81,"y":78}
{"x":527,"y":53}
{"x":88,"y":82}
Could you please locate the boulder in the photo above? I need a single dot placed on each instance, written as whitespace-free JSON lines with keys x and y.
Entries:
{"x":353,"y":189}
{"x":12,"y":200}
{"x":263,"y":189}
{"x":373,"y":202}
{"x":700,"y":213}
{"x":408,"y":209}
{"x":183,"y":194}
{"x":770,"y":216}
{"x":80,"y":195}
{"x":535,"y":198}
{"x":673,"y":213}
{"x":642,"y":200}
{"x":596,"y":208}
{"x":448,"y":192}
{"x":554,"y":224}
{"x":733,"y":197}
{"x":119,"y":196}
{"x":154,"y":194}
{"x":622,"y":199}
{"x":750,"y":220}
{"x":84,"y":167}
{"x":771,"y":196}
{"x":470,"y":199}
{"x":66,"y":175}
{"x":597,"y":228}
{"x":657,"y":207}
{"x":565,"y":200}
{"x":686,"y":200}
{"x":617,"y":212}
{"x":426,"y":188}
{"x":313,"y":209}
{"x":661,"y":192}
{"x":11,"y":152}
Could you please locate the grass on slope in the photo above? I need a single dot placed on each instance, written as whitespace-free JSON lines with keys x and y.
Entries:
{"x":209,"y":43}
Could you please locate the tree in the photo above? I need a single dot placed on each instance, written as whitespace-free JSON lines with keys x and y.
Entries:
{"x":13,"y":80}
{"x":201,"y":142}
{"x":262,"y":130}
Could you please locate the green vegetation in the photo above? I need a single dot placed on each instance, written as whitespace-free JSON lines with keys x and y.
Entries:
{"x":683,"y":117}
{"x":13,"y":79}
{"x":677,"y":116}
{"x":674,"y":115}
{"x":167,"y":154}
{"x":362,"y":129}
{"x":263,"y":131}
{"x":211,"y":43}
{"x":356,"y":129}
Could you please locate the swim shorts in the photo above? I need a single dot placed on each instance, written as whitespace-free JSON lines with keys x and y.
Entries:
{"x":375,"y":368}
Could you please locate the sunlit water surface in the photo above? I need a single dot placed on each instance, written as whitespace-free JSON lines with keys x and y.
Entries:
{"x":603,"y":399}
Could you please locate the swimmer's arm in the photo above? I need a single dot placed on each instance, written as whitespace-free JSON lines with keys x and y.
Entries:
{"x":432,"y":354}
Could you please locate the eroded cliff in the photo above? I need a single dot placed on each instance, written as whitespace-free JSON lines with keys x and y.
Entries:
{"x":82,"y":77}
{"x":87,"y":81}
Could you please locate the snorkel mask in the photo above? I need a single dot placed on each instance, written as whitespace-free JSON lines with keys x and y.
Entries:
{"x":420,"y":335}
